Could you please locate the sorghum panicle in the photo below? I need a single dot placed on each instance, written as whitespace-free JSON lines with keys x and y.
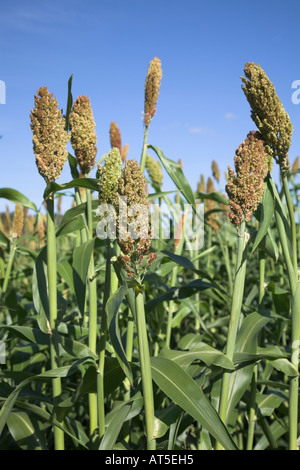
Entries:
{"x":154,"y":170}
{"x":134,"y":250}
{"x":124,"y":152}
{"x":201,"y":184}
{"x":268,"y":113}
{"x":152,"y":85}
{"x":49,"y":135}
{"x":115,"y":137}
{"x":109,"y":175}
{"x":245,"y":189}
{"x":83,"y":135}
{"x":215,"y":171}
{"x":211,"y":205}
{"x":295,"y":166}
{"x":18,"y":222}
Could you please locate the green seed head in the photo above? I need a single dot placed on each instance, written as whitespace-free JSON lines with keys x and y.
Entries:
{"x":268,"y":114}
{"x":245,"y":188}
{"x":49,"y":135}
{"x":135,"y":256}
{"x":154,"y":170}
{"x":83,"y":135}
{"x":152,"y":86}
{"x":109,"y":175}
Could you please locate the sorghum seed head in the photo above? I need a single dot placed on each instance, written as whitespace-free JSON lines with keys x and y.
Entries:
{"x":109,"y":175}
{"x":18,"y":222}
{"x":245,"y":189}
{"x":295,"y":166}
{"x":201,"y":184}
{"x":83,"y":135}
{"x":115,"y":137}
{"x":133,"y":250}
{"x":124,"y":152}
{"x":211,"y":205}
{"x":49,"y":135}
{"x":210,"y":187}
{"x":268,"y":113}
{"x":154,"y":170}
{"x":152,"y":85}
{"x":215,"y":170}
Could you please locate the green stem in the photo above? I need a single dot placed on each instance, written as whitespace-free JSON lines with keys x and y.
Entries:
{"x":236,"y":305}
{"x":145,"y":367}
{"x":292,"y":219}
{"x":268,"y":433}
{"x":252,"y":416}
{"x":92,"y":286}
{"x":52,"y":286}
{"x":12,"y":252}
{"x":144,"y":151}
{"x":103,"y":336}
{"x":224,"y":249}
{"x":292,"y":269}
{"x":171,"y":310}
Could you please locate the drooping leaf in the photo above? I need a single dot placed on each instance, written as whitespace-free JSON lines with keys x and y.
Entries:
{"x":89,"y":183}
{"x":176,"y":174}
{"x":15,"y":196}
{"x":184,"y":391}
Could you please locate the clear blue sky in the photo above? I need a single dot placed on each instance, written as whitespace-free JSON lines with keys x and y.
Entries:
{"x":202,"y":113}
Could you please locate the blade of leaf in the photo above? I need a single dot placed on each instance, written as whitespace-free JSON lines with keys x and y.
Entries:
{"x":112,"y":309}
{"x":176,"y":174}
{"x":184,"y":391}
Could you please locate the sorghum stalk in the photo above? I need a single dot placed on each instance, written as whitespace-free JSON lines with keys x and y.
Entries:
{"x":103,"y":336}
{"x":52,"y":283}
{"x":49,"y":145}
{"x":245,"y":190}
{"x":109,"y":175}
{"x":236,"y":304}
{"x":12,"y":251}
{"x":145,"y":366}
{"x":92,"y":285}
{"x":83,"y":140}
{"x":274,"y":124}
{"x":129,"y":183}
{"x":252,"y":404}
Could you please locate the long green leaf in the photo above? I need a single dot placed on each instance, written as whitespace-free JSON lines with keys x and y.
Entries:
{"x":267,"y":211}
{"x":17,"y":197}
{"x":176,"y":174}
{"x":111,"y":434}
{"x":89,"y":183}
{"x":246,"y":342}
{"x":184,"y":391}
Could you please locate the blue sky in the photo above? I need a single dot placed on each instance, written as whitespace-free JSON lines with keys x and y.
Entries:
{"x":202,"y":113}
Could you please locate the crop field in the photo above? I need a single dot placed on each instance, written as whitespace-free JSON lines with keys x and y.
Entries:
{"x":150,"y":319}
